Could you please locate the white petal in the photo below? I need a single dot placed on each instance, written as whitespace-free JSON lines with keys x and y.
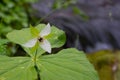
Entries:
{"x":30,"y":43}
{"x":45,"y":31}
{"x":45,"y":45}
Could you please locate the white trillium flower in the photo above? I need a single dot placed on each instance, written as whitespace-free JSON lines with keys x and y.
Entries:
{"x":44,"y":43}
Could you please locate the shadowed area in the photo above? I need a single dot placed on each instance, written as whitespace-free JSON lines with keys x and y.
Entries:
{"x":97,"y":30}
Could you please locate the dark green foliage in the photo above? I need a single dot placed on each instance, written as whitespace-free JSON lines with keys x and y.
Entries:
{"x":3,"y":47}
{"x":63,"y":3}
{"x":13,"y":15}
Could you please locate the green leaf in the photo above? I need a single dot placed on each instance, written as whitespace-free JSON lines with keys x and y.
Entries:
{"x":68,"y":64}
{"x":57,"y":4}
{"x":3,"y":41}
{"x":56,"y":37}
{"x":82,"y":14}
{"x":3,"y":50}
{"x":17,"y":68}
{"x":34,"y":31}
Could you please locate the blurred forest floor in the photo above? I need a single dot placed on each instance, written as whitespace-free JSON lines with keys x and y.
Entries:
{"x":107,"y":63}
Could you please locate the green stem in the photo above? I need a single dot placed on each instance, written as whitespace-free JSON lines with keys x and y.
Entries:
{"x":36,"y":68}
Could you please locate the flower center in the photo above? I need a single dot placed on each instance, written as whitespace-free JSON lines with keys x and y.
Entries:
{"x":40,"y":39}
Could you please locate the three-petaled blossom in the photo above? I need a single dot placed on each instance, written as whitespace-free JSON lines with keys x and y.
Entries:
{"x":44,"y":43}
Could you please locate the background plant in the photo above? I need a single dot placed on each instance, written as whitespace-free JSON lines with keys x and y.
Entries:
{"x":13,"y":15}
